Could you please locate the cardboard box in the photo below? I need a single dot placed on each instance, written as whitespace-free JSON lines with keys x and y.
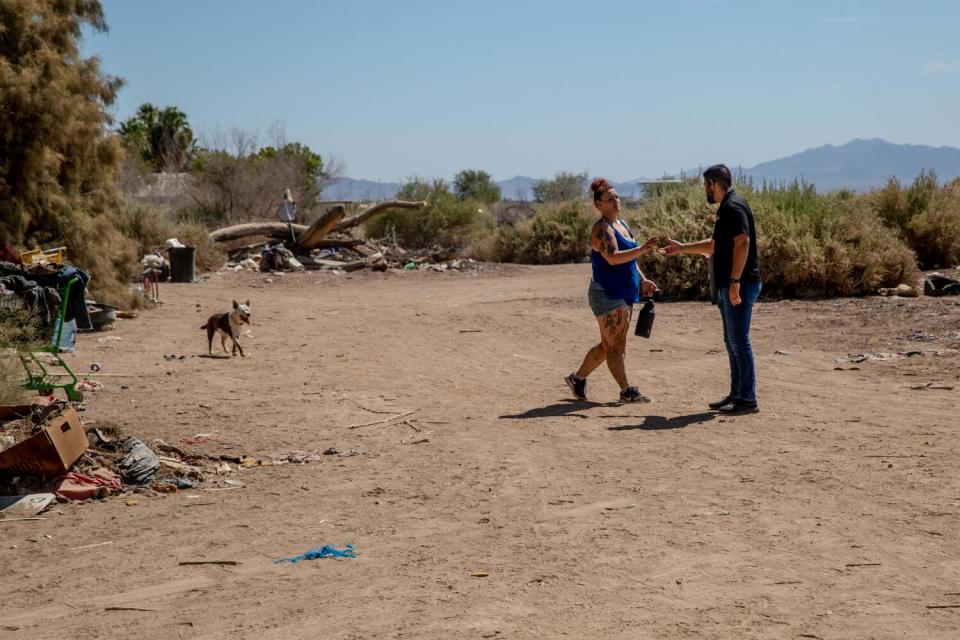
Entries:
{"x":51,"y":452}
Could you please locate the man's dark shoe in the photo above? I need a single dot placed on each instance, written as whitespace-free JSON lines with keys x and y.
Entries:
{"x":739,"y":408}
{"x":632,"y":394}
{"x":577,"y":385}
{"x":721,"y":403}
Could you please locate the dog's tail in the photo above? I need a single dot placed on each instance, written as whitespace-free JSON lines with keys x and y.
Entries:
{"x":205,"y":325}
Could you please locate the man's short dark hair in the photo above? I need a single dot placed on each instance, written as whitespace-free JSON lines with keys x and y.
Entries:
{"x":720,"y":174}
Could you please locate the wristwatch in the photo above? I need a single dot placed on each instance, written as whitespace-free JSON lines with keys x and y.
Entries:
{"x":736,"y":280}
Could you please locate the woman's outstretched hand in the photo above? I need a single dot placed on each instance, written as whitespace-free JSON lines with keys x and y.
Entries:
{"x":650,"y":244}
{"x":672,"y":249}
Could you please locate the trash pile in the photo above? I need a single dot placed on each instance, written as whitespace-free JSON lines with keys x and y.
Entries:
{"x":47,"y":455}
{"x":354,"y":257}
{"x":328,"y":244}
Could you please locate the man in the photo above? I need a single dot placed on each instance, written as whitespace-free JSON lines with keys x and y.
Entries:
{"x":736,"y":275}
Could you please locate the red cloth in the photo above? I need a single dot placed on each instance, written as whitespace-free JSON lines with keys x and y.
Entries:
{"x":8,"y":253}
{"x":75,"y":486}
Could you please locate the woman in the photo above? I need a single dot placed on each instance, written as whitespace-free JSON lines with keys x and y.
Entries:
{"x":616,"y":286}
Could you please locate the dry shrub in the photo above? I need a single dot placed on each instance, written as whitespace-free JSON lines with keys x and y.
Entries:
{"x":810,"y":245}
{"x":934,"y":232}
{"x":18,"y":330}
{"x":556,"y":233}
{"x":209,"y":256}
{"x":445,"y":221}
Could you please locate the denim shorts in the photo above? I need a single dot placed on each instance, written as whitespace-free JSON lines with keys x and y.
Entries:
{"x":600,"y":303}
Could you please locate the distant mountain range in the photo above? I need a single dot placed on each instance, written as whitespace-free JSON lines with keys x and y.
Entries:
{"x":860,"y":165}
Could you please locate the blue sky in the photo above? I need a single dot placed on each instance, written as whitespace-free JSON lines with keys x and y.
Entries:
{"x":621,"y":89}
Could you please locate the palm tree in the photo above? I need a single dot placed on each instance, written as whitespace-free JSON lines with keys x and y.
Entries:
{"x":161,"y":137}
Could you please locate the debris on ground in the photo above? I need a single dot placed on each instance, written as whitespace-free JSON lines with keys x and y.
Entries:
{"x":298,"y":457}
{"x":939,"y":285}
{"x":327,"y":244}
{"x":901,"y":290}
{"x":326,"y":551}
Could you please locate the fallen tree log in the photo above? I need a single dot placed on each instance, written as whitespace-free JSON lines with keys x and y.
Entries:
{"x":331,"y":221}
{"x":277,"y":230}
{"x":310,"y":238}
{"x":380,"y":207}
{"x":338,"y":243}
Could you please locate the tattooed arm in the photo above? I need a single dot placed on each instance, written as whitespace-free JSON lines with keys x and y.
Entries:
{"x":604,"y":242}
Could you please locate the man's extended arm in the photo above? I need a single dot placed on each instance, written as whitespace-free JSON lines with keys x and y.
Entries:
{"x":704,"y":248}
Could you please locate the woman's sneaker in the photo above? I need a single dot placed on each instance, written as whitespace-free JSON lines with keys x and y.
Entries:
{"x":577,"y":385}
{"x":632,"y":394}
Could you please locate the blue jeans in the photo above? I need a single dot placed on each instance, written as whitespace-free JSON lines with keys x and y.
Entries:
{"x":736,"y":337}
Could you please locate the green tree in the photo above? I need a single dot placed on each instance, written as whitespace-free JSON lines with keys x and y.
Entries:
{"x":162,"y":138}
{"x":563,"y":187}
{"x":417,"y":189}
{"x":58,"y":163}
{"x":239,"y":186}
{"x":473,"y":184}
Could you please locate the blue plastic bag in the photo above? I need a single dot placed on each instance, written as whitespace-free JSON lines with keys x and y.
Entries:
{"x":326,"y":551}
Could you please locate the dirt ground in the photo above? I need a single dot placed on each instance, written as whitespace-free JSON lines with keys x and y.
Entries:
{"x":505,"y":509}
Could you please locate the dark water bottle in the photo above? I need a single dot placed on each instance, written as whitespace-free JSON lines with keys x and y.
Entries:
{"x":645,"y":320}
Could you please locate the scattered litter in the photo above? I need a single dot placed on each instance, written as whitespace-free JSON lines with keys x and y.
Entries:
{"x":938,"y":285}
{"x":97,"y":483}
{"x":298,"y":457}
{"x":333,"y":451}
{"x":420,"y":441}
{"x":202,"y":438}
{"x":139,"y":464}
{"x":867,"y":357}
{"x":132,"y":503}
{"x":89,"y":385}
{"x":89,"y":546}
{"x":231,"y":563}
{"x":384,"y":421}
{"x":326,"y":551}
{"x":932,"y":385}
{"x":24,"y":506}
{"x":901,"y":290}
{"x":480,"y":574}
{"x":782,"y":353}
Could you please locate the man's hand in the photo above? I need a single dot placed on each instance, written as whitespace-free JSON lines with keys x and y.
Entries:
{"x":674,"y":248}
{"x":648,"y":288}
{"x":734,"y":293}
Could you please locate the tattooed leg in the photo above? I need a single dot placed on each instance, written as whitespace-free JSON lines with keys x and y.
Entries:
{"x":615,"y":327}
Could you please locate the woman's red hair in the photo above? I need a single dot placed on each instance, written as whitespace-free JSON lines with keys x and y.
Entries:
{"x":598,"y":186}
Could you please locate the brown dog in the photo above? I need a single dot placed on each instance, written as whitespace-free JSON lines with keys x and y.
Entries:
{"x":228,"y":325}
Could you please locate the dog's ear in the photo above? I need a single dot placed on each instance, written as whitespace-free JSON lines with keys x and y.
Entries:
{"x":248,"y":303}
{"x":235,"y":305}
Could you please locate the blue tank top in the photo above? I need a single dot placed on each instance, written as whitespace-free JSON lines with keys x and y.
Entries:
{"x":622,"y":281}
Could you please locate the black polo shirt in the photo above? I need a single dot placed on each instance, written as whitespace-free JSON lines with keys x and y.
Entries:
{"x":734,"y":218}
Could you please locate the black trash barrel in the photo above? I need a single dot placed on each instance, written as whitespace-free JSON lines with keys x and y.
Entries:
{"x":183,"y":264}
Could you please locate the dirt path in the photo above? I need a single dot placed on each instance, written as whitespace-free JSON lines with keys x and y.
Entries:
{"x":832,"y":514}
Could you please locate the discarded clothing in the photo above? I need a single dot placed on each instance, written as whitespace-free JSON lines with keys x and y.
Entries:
{"x":139,"y":464}
{"x":55,"y":280}
{"x":76,"y":486}
{"x":937,"y":285}
{"x":326,"y":551}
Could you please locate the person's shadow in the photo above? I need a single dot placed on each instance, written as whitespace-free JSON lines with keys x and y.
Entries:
{"x":566,"y":408}
{"x":657,"y":423}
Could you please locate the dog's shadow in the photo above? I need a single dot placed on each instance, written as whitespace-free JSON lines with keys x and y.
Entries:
{"x":658,"y":423}
{"x":213,"y":356}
